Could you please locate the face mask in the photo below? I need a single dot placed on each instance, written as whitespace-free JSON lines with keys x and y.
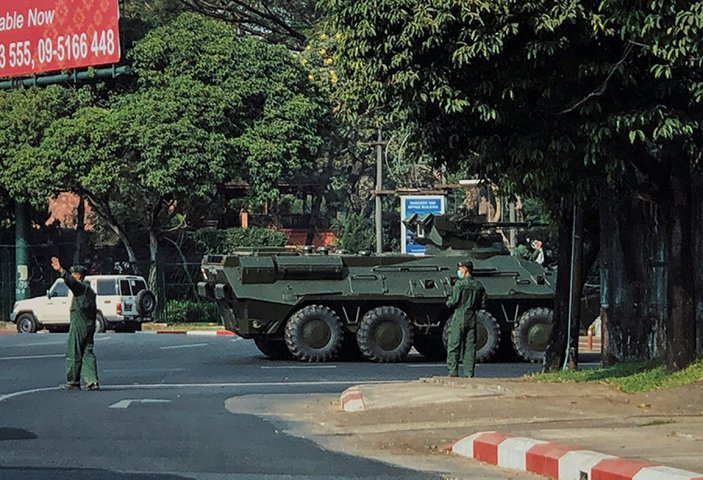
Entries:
{"x":459,"y":274}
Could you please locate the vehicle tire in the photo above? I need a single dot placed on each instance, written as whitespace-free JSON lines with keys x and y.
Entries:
{"x":487,"y":336}
{"x":314,"y":334}
{"x":430,"y":346}
{"x":100,"y":323}
{"x":145,"y":302}
{"x":385,"y":335}
{"x":532,"y":332}
{"x":274,"y":348}
{"x":26,"y":323}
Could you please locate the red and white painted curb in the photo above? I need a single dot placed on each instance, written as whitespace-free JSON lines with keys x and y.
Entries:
{"x":352,"y":400}
{"x":560,"y":462}
{"x":201,"y":333}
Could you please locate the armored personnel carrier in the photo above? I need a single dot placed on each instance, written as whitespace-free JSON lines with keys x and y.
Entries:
{"x":317,"y":306}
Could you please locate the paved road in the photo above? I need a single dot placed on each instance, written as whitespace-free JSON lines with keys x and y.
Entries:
{"x":161,"y":413}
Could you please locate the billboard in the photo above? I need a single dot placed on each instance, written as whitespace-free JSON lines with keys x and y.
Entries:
{"x":44,"y":35}
{"x":417,"y":204}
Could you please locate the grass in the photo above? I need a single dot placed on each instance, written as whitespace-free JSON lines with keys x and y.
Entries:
{"x":182,"y":326}
{"x":629,"y":377}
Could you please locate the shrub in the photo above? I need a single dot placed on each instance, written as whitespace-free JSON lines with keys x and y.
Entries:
{"x":216,"y":241}
{"x":189,"y":311}
{"x":354,"y":233}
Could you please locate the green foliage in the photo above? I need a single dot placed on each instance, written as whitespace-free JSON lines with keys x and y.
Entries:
{"x":545,"y":98}
{"x":224,"y":241}
{"x":354,"y":233}
{"x":257,"y":97}
{"x":188,"y":311}
{"x":630,"y":377}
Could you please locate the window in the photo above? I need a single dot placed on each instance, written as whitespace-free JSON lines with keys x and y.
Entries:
{"x":59,"y":290}
{"x":130,"y":288}
{"x":125,"y":291}
{"x":106,"y":287}
{"x":137,"y":286}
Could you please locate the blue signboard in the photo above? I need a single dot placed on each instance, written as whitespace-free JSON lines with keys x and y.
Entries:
{"x":417,"y":204}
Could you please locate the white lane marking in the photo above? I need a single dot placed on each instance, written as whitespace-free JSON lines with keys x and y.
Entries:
{"x":143,"y":370}
{"x":188,"y":345}
{"x":126,"y":403}
{"x":147,"y":386}
{"x":29,"y":357}
{"x":25,"y":392}
{"x":292,"y":367}
{"x":37,"y":344}
{"x":99,"y":339}
{"x":427,"y":365}
{"x":236,"y":339}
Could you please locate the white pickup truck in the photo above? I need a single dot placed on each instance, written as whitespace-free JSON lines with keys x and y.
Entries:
{"x":124,"y":303}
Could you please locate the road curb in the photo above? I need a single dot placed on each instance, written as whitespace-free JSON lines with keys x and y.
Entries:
{"x":352,"y":400}
{"x":201,"y":333}
{"x":560,"y":462}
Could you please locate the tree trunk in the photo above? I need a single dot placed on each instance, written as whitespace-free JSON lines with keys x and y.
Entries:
{"x":317,"y":200}
{"x":566,"y":327}
{"x":697,"y":235}
{"x":80,"y":230}
{"x":681,"y":318}
{"x":633,"y":278}
{"x":153,"y":255}
{"x":103,"y":210}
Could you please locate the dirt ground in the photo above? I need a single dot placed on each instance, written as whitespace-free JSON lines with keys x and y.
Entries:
{"x":426,"y":416}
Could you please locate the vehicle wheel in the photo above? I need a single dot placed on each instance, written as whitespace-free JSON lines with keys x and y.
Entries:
{"x":314,"y":334}
{"x":26,"y":323}
{"x":430,"y":346}
{"x":274,"y":348}
{"x":531,"y":333}
{"x":385,"y":334}
{"x":487,"y":336}
{"x":145,"y":302}
{"x":100,"y":323}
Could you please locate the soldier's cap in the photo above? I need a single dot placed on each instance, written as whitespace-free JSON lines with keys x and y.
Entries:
{"x":468,"y":264}
{"x":80,"y":269}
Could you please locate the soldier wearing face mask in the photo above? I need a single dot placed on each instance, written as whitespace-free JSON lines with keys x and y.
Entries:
{"x":468,"y":297}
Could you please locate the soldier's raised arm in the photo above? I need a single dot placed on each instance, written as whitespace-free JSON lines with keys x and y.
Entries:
{"x":78,"y":288}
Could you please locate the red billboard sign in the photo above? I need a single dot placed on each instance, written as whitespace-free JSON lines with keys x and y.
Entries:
{"x":43,"y":35}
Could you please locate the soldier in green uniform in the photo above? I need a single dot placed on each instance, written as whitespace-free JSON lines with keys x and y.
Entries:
{"x":80,"y":357}
{"x":468,"y":297}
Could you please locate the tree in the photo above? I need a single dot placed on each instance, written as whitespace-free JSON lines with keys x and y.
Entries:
{"x":286,"y":22}
{"x":208,"y":107}
{"x":538,"y":97}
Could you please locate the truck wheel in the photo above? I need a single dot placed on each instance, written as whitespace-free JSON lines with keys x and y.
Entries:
{"x":26,"y":323}
{"x":314,"y":334}
{"x":385,"y":335}
{"x":275,"y":349}
{"x":487,"y":336}
{"x":531,"y":333}
{"x":430,"y":346}
{"x":100,"y":323}
{"x":145,"y":302}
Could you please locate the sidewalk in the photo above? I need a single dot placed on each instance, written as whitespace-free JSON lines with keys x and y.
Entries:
{"x":657,"y":428}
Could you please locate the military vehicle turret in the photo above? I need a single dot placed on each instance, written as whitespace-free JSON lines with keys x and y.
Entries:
{"x":316,"y":306}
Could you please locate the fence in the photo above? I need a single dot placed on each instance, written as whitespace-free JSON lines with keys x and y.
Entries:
{"x":176,"y":286}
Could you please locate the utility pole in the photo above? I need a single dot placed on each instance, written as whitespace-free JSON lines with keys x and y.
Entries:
{"x":513,"y":219}
{"x":22,"y":279}
{"x":379,"y":187}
